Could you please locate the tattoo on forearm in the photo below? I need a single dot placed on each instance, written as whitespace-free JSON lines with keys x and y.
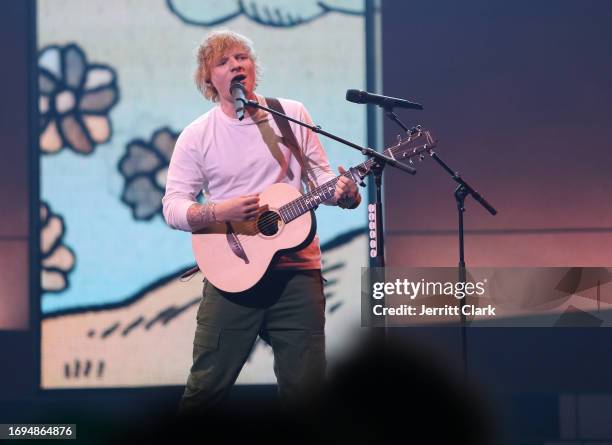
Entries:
{"x":201,"y":215}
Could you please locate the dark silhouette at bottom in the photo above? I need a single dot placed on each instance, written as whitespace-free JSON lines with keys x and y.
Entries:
{"x":383,"y":391}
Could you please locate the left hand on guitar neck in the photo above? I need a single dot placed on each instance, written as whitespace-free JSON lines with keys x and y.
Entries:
{"x":346,"y":195}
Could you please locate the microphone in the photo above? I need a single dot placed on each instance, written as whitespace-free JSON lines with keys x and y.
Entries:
{"x":363,"y":97}
{"x":238,"y":92}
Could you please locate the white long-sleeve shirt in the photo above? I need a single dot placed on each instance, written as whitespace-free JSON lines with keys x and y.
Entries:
{"x":226,"y":158}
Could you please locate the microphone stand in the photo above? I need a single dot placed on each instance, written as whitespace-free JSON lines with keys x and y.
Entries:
{"x":461,"y":192}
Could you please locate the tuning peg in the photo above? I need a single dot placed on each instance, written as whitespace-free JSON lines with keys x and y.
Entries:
{"x":399,"y":139}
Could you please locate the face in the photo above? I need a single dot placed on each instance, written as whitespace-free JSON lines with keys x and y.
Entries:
{"x":235,"y":61}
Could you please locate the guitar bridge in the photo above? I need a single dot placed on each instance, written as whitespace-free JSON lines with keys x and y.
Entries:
{"x":234,"y":244}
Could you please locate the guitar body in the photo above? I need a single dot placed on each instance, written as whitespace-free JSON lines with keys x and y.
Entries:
{"x":235,"y":256}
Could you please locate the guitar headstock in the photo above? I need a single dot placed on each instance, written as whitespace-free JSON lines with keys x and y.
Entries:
{"x":415,"y":144}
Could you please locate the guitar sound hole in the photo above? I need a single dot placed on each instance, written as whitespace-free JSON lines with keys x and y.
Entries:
{"x":268,"y":223}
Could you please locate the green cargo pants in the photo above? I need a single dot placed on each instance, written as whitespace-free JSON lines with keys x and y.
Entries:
{"x":286,"y":308}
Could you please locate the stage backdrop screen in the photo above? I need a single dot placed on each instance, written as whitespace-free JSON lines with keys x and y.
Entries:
{"x":116,"y":89}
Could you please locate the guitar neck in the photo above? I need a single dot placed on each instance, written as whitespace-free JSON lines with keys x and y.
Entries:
{"x":309,"y":201}
{"x":322,"y":193}
{"x":418,"y":142}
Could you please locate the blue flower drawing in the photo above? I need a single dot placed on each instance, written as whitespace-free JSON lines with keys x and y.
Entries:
{"x":276,"y":13}
{"x":75,"y":100}
{"x":145,"y":167}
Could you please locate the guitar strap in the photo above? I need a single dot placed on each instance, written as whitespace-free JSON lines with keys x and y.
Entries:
{"x":290,"y":140}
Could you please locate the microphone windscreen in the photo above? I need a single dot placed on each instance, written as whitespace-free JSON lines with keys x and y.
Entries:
{"x":237,"y":85}
{"x":354,"y":96}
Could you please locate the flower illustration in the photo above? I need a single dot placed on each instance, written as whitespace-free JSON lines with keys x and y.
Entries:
{"x":75,"y":99}
{"x":145,"y":167}
{"x":57,"y":260}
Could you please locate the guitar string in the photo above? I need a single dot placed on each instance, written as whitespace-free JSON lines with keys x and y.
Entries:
{"x":269,"y":221}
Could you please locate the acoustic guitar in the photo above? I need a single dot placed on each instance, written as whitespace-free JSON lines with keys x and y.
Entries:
{"x":235,"y":255}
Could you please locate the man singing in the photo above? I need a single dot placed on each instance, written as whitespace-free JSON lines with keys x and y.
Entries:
{"x":232,"y":161}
